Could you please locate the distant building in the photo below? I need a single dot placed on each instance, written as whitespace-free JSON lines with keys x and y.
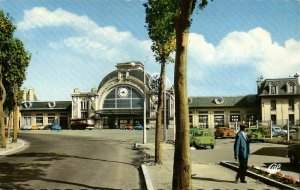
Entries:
{"x":41,"y":113}
{"x":119,"y":100}
{"x":279,"y":100}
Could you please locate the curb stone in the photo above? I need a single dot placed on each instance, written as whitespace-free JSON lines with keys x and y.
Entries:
{"x":147,"y":177}
{"x":10,"y":149}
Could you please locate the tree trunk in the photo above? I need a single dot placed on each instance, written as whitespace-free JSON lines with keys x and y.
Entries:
{"x":2,"y":100}
{"x":10,"y":123}
{"x":182,"y":161}
{"x":159,"y":129}
{"x":16,"y":124}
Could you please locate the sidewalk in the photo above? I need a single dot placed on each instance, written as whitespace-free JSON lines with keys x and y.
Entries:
{"x":12,"y":147}
{"x":204,"y":176}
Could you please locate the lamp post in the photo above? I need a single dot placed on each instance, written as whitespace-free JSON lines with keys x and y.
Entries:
{"x":170,"y":93}
{"x":135,"y":65}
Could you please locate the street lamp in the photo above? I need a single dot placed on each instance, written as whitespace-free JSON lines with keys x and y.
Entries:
{"x":171,"y":95}
{"x":135,"y":65}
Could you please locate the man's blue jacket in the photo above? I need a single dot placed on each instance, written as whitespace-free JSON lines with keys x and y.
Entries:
{"x":241,"y":146}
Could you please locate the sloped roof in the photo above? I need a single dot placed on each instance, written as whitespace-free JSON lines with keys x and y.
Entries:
{"x":232,"y":101}
{"x":44,"y":105}
{"x":263,"y":89}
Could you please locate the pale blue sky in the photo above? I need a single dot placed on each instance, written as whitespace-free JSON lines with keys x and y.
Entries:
{"x":75,"y":43}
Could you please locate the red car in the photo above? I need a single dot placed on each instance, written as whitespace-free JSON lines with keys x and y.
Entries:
{"x":224,"y":132}
{"x":128,"y":127}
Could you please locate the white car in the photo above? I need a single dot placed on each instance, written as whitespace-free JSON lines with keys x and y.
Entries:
{"x":26,"y":127}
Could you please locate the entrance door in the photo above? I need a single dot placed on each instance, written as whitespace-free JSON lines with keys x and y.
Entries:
{"x":63,"y":122}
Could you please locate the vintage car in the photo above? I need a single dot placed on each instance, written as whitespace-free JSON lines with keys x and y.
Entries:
{"x":128,"y":127}
{"x":293,"y":152}
{"x":224,"y":132}
{"x":138,"y":127}
{"x":254,"y":134}
{"x":201,"y":138}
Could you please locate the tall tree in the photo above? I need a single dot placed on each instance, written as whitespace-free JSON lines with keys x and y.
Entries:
{"x":6,"y":35}
{"x":182,"y":162}
{"x":13,"y":63}
{"x":160,"y":25}
{"x":15,"y":74}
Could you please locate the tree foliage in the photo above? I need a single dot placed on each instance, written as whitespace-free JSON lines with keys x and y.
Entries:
{"x":14,"y":60}
{"x":160,"y":25}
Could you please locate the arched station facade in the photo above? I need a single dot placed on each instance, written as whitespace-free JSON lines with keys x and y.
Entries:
{"x":119,"y":99}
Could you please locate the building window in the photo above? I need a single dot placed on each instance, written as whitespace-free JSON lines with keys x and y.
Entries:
{"x":203,"y":121}
{"x":27,"y":120}
{"x":83,"y":105}
{"x":219,"y":121}
{"x":273,"y":119}
{"x":124,"y":97}
{"x":234,"y":118}
{"x":84,"y":114}
{"x":51,"y":120}
{"x":273,"y":88}
{"x":251,"y":119}
{"x":291,"y":119}
{"x":273,"y":104}
{"x":191,"y":120}
{"x":291,"y":87}
{"x":291,"y":104}
{"x":39,"y":120}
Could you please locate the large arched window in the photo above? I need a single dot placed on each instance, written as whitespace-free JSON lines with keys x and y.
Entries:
{"x":124,"y":97}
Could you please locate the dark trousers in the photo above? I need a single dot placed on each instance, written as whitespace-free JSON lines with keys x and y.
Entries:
{"x":243,"y":163}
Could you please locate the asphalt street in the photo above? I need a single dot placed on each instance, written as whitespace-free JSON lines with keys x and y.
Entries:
{"x":104,"y":159}
{"x":56,"y":161}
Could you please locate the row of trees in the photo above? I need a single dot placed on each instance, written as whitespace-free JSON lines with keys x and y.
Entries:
{"x":168,"y":24}
{"x":14,"y":59}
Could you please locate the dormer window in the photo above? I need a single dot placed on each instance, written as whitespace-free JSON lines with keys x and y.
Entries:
{"x":291,"y":87}
{"x":273,"y":88}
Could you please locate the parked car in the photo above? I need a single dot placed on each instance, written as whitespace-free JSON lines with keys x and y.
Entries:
{"x":201,"y":138}
{"x":55,"y":127}
{"x":283,"y":131}
{"x":128,"y":127}
{"x":294,"y":134}
{"x":276,"y":129}
{"x":224,"y":132}
{"x":47,"y":127}
{"x":34,"y":127}
{"x":254,"y":134}
{"x":293,"y":152}
{"x":25,"y":127}
{"x":138,"y":126}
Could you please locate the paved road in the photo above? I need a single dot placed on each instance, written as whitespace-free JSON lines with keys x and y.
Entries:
{"x":65,"y":161}
{"x":104,"y":159}
{"x":262,"y":155}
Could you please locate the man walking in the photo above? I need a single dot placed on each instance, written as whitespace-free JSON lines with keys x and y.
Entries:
{"x":241,"y":153}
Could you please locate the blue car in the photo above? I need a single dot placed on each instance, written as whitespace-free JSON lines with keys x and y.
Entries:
{"x":138,"y":127}
{"x":55,"y":127}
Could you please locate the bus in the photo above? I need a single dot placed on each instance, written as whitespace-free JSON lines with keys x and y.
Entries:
{"x":82,"y":123}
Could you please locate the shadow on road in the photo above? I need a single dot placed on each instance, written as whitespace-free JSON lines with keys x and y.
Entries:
{"x":271,"y":151}
{"x":211,"y":179}
{"x":41,"y":156}
{"x":17,"y":175}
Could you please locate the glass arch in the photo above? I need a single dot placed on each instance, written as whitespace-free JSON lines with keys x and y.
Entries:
{"x":124,"y":97}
